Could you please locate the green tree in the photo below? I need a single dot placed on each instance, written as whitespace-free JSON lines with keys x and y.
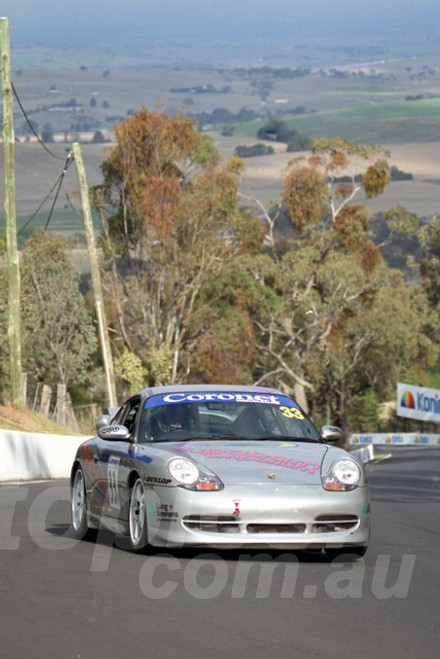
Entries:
{"x":343,"y":322}
{"x":98,"y":137}
{"x":430,"y":264}
{"x":28,"y":127}
{"x":47,"y":133}
{"x":332,"y":159}
{"x":363,"y":416}
{"x":339,"y":328}
{"x":176,"y":227}
{"x":195,"y":292}
{"x":59,"y":337}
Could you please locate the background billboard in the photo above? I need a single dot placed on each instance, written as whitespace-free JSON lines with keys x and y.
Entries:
{"x":418,"y":402}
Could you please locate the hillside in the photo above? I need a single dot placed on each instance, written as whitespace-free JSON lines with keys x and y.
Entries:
{"x":26,"y":420}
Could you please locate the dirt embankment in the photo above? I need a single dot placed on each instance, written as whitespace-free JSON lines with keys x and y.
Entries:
{"x":12,"y":418}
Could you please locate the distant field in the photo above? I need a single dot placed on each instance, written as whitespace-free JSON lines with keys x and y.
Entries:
{"x":64,"y":221}
{"x":263,"y":175}
{"x":262,"y":179}
{"x":380,"y":123}
{"x":365,"y":103}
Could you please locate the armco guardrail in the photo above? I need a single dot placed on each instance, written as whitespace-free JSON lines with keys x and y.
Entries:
{"x":396,"y":439}
{"x":31,"y":456}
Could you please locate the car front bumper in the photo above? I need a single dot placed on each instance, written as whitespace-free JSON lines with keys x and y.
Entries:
{"x":259,"y":516}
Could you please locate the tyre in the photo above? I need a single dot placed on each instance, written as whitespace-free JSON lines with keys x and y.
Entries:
{"x":137,"y":517}
{"x":79,"y":506}
{"x":345,"y":553}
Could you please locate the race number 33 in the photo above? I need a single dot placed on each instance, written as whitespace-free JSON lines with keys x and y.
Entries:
{"x":291,"y":412}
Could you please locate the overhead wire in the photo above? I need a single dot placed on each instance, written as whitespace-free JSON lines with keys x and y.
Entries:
{"x":29,"y":123}
{"x":59,"y":180}
{"x":69,"y":160}
{"x":57,"y":185}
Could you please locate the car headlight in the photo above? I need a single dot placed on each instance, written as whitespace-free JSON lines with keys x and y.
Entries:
{"x":193,"y":477}
{"x":344,"y":475}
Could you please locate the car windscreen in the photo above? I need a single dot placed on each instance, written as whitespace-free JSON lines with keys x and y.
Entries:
{"x":224,"y":415}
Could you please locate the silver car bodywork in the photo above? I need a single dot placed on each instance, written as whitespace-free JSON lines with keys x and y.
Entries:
{"x":256,"y":487}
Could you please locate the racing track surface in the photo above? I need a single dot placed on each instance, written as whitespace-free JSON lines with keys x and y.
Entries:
{"x":61,"y":598}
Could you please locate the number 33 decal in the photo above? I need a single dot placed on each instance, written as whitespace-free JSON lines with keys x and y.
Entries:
{"x":291,"y":412}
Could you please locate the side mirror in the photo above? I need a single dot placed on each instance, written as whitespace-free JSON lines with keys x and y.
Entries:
{"x":331,"y":433}
{"x":114,"y":433}
{"x":103,"y":420}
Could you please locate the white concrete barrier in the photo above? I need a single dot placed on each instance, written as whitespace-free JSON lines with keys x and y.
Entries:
{"x":34,"y":456}
{"x":364,"y":454}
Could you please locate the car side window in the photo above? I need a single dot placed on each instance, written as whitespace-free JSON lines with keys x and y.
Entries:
{"x":118,"y":419}
{"x":127,"y":415}
{"x":131,"y":415}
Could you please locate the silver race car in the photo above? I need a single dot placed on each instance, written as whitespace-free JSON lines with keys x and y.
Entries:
{"x":219,"y":466}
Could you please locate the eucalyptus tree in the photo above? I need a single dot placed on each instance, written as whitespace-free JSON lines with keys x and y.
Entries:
{"x":344,"y":323}
{"x":59,"y":336}
{"x":171,"y":227}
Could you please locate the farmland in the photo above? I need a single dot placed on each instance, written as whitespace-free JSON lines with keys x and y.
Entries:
{"x":397,"y":122}
{"x":394,"y":103}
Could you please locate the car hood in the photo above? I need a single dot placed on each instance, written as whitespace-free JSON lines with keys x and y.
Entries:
{"x":255,"y":462}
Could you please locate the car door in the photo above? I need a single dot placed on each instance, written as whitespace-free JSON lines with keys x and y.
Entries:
{"x":115,"y":459}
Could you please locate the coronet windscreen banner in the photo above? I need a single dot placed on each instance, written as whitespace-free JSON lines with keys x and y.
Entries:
{"x":418,"y":402}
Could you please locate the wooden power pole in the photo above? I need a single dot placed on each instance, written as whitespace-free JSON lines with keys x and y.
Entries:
{"x":11,"y":225}
{"x":96,"y":278}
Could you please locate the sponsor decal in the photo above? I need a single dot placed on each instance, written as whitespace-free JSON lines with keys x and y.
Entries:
{"x":108,"y":430}
{"x":428,"y":403}
{"x":405,"y":439}
{"x":422,"y":439}
{"x":252,"y":456}
{"x":418,"y":402}
{"x":236,"y":503}
{"x":222,"y":397}
{"x":87,"y":455}
{"x":165,"y":512}
{"x":141,"y":457}
{"x":289,"y":407}
{"x":408,"y":401}
{"x":157,"y":480}
{"x":362,"y":439}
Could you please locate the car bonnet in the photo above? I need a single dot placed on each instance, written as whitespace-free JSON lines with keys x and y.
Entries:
{"x":263,"y":461}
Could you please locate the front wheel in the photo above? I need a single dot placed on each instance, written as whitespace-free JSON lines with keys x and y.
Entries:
{"x":345,"y":553}
{"x":137,"y":517}
{"x":79,"y":505}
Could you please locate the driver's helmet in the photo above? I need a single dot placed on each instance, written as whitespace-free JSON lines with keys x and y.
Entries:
{"x":173,"y":418}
